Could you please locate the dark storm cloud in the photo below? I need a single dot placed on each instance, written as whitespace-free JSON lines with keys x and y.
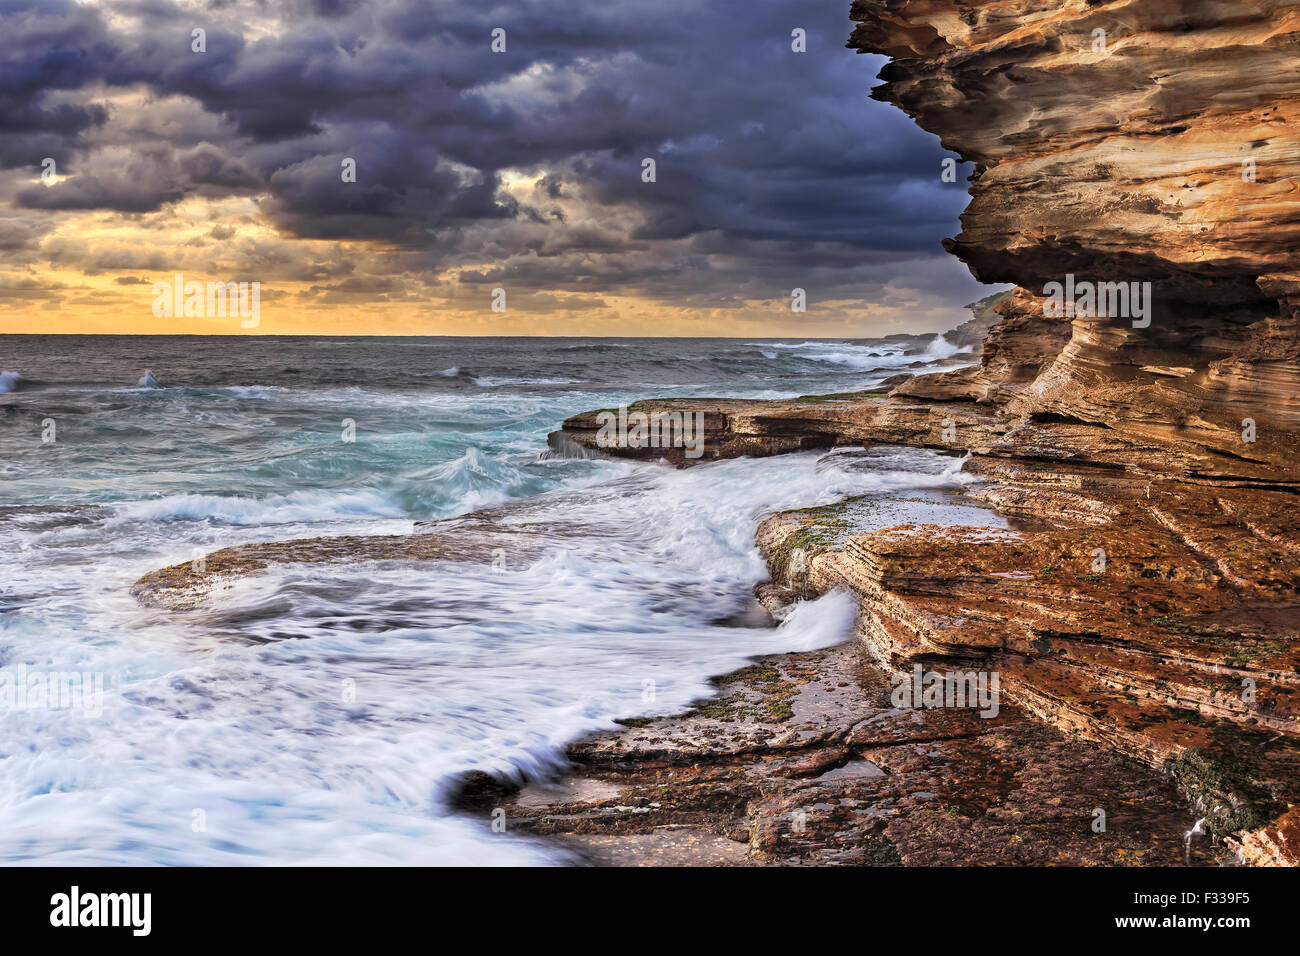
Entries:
{"x":767,"y":159}
{"x":45,"y":48}
{"x":148,"y":179}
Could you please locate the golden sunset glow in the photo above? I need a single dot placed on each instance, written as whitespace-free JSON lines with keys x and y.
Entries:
{"x":214,"y":240}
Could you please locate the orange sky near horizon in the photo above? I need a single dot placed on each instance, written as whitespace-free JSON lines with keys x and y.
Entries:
{"x":101,"y":270}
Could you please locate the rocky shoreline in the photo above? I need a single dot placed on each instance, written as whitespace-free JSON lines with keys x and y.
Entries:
{"x":801,"y":759}
{"x":1146,"y":596}
{"x":1141,"y":608}
{"x":804,"y":759}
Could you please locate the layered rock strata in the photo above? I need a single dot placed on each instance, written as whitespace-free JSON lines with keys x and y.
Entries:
{"x":803,"y":759}
{"x":1155,"y":604}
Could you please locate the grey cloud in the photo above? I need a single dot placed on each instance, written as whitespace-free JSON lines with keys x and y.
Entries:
{"x":773,"y":167}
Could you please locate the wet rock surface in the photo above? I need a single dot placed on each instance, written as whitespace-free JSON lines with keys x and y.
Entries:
{"x":802,"y":759}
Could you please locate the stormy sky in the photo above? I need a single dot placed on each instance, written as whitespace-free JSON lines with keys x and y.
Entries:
{"x":475,"y":169}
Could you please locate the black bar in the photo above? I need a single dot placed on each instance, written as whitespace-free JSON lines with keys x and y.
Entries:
{"x":333,"y":905}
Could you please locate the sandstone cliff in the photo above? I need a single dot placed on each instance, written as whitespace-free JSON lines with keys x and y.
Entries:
{"x":1151,"y":598}
{"x":1134,"y":141}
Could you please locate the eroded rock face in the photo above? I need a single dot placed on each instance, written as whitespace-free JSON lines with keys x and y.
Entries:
{"x":1014,"y":353}
{"x":1108,"y":136}
{"x":1143,"y":141}
{"x":1125,"y":142}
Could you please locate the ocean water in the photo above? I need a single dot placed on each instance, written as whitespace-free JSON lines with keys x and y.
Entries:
{"x":316,"y":714}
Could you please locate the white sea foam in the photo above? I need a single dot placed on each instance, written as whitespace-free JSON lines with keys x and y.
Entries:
{"x":941,"y":348}
{"x":811,"y":625}
{"x":297,"y":506}
{"x":335,"y":747}
{"x":885,"y":355}
{"x":488,"y":381}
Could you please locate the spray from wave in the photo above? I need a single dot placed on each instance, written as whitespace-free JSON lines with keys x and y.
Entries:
{"x":876,"y":356}
{"x":296,"y":507}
